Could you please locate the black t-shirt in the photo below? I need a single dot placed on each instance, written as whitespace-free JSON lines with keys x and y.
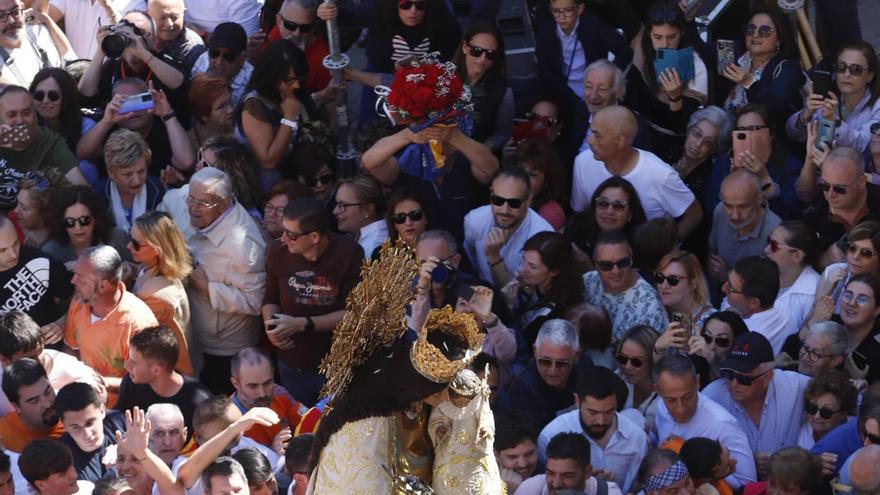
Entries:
{"x":142,"y":395}
{"x":88,"y":464}
{"x":829,"y":231}
{"x":37,"y":285}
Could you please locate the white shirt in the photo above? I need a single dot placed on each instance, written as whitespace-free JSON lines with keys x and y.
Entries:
{"x":37,"y":48}
{"x":65,"y":369}
{"x":661,"y":190}
{"x":800,"y":297}
{"x":238,"y":84}
{"x":477,"y":224}
{"x":82,"y":18}
{"x":203,"y":16}
{"x":714,"y":422}
{"x":537,"y":485}
{"x":775,"y":323}
{"x":574,"y":62}
{"x":372,"y":236}
{"x":621,"y":455}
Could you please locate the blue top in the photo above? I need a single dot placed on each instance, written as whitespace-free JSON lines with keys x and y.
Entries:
{"x":843,"y":441}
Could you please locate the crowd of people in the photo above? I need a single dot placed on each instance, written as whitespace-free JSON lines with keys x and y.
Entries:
{"x":675,"y":276}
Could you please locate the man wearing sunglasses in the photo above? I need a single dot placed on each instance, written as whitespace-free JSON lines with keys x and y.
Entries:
{"x":297,"y":21}
{"x":768,"y":404}
{"x":226,"y":57}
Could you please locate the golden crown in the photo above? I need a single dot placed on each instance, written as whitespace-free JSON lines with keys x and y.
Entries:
{"x":429,"y":361}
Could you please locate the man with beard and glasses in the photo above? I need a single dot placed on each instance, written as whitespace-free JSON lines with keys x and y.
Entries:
{"x":494,"y":234}
{"x":28,"y":389}
{"x":741,"y":223}
{"x":617,"y":444}
{"x":253,"y":377}
{"x":24,"y":50}
{"x":150,"y":376}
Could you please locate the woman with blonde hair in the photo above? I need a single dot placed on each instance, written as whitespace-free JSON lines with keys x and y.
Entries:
{"x":682,"y":287}
{"x":157,"y":243}
{"x":129,"y":191}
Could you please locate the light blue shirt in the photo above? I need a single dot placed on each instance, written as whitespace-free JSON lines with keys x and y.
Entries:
{"x":622,"y":455}
{"x":710,"y":421}
{"x":781,"y":416}
{"x":477,"y":225}
{"x":574,"y":61}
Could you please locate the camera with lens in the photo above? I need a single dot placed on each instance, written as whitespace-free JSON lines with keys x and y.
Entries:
{"x":449,"y":277}
{"x":117,"y":41}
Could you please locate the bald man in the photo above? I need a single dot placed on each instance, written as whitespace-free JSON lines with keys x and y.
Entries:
{"x":31,"y":282}
{"x":661,"y":190}
{"x":863,"y":472}
{"x":180,"y":43}
{"x":741,"y":223}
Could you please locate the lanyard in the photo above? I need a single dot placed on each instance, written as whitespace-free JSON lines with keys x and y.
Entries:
{"x":571,"y":59}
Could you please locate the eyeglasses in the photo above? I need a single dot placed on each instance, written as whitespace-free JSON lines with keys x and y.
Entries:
{"x":553,"y":363}
{"x":812,"y":408}
{"x":84,"y":221}
{"x":564,"y":12}
{"x":415,"y":216}
{"x":618,"y":205}
{"x":41,"y":95}
{"x":313,"y":181}
{"x":750,"y":127}
{"x":294,"y":26}
{"x":854,"y":69}
{"x":227,"y":56}
{"x":273,"y":210}
{"x":607,"y":266}
{"x":198,"y":203}
{"x":722,"y":342}
{"x":673,"y":280}
{"x":344,"y":206}
{"x":761,"y":31}
{"x":840,"y":189}
{"x":293,"y":236}
{"x":477,"y":52}
{"x":861,"y":300}
{"x":408,"y":4}
{"x":514,"y":203}
{"x":134,"y":243}
{"x":862,"y":252}
{"x":813,"y":354}
{"x":710,"y":141}
{"x":13,"y":12}
{"x":636,"y":362}
{"x":745,"y":380}
{"x":775,"y":246}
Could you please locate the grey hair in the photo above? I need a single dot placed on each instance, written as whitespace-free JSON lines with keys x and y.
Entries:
{"x":558,"y":332}
{"x":222,"y":466}
{"x":618,"y":82}
{"x":718,"y":118}
{"x":676,"y":365}
{"x":250,"y":356}
{"x":440,"y":235}
{"x":164,"y":407}
{"x":215,"y":180}
{"x":837,"y":336}
{"x":106,"y":261}
{"x":849,"y":154}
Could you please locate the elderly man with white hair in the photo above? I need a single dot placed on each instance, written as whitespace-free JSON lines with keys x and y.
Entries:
{"x":226,"y":286}
{"x":824,"y":348}
{"x":168,"y":432}
{"x":546,"y":386}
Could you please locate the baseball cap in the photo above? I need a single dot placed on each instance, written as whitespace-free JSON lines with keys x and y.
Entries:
{"x":230,"y":36}
{"x":748,"y":351}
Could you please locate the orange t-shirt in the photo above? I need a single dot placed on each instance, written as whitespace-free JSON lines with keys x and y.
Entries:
{"x":288,"y":409}
{"x":15,"y":434}
{"x":103,"y":344}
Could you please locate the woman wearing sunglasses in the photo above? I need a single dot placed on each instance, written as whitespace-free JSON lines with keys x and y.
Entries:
{"x":635,"y":358}
{"x":828,"y":400}
{"x":157,"y":244}
{"x":854,"y":102}
{"x":482,"y":66}
{"x":547,"y":197}
{"x":794,"y":246}
{"x":859,"y":311}
{"x":312,"y":166}
{"x":713,"y":343}
{"x":768,"y":71}
{"x":614,"y":206}
{"x":405,"y":216}
{"x":665,"y":99}
{"x":78,"y":219}
{"x":212,"y":109}
{"x":682,"y":287}
{"x":56,"y":100}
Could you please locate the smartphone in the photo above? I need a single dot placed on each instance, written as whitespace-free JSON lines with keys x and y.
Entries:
{"x":859,"y":359}
{"x":825,"y":133}
{"x":743,"y":141}
{"x":685,"y":319}
{"x":136,"y":103}
{"x":821,"y":82}
{"x":16,"y":134}
{"x":682,"y":60}
{"x":724,"y":49}
{"x":526,"y":129}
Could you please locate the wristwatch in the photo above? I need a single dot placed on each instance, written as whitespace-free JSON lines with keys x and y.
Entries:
{"x":290,"y":123}
{"x":310,"y":324}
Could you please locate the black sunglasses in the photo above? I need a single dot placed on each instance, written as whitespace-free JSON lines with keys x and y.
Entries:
{"x":478,"y":52}
{"x":607,"y":266}
{"x":616,"y":205}
{"x":71,"y":222}
{"x":636,"y":362}
{"x":41,"y":95}
{"x":762,"y":31}
{"x":871,"y":438}
{"x":293,"y":26}
{"x":415,"y":216}
{"x":837,"y":188}
{"x":227,"y":56}
{"x":854,"y":69}
{"x":672,"y":280}
{"x":135,"y":244}
{"x":514,"y":203}
{"x":408,"y":4}
{"x":812,"y":408}
{"x":740,"y":378}
{"x":723,"y":342}
{"x":863,"y":252}
{"x":547,"y":363}
{"x":324,"y":179}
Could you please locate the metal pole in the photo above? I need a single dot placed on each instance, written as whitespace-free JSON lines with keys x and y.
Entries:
{"x":335,"y":61}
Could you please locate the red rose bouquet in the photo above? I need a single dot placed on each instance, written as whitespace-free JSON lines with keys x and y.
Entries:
{"x":427,"y":90}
